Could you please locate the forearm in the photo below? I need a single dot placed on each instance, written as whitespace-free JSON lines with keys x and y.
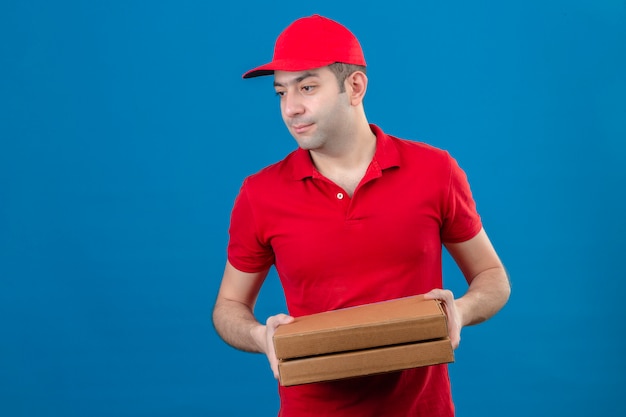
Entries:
{"x":237,"y":326}
{"x":488,"y":292}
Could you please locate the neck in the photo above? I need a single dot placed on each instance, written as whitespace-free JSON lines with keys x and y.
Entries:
{"x":347,"y":162}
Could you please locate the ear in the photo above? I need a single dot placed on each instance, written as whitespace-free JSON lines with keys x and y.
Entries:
{"x":356,"y":86}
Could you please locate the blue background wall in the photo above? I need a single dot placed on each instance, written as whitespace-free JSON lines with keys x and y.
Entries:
{"x":126,"y":130}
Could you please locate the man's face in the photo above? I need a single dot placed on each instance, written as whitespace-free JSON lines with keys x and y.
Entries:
{"x":312,"y":106}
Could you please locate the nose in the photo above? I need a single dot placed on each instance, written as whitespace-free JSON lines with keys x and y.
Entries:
{"x":292,"y":104}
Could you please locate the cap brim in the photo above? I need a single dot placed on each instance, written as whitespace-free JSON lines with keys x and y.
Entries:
{"x":285,"y":65}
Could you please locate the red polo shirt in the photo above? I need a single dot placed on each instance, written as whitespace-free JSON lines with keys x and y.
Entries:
{"x":332,"y":251}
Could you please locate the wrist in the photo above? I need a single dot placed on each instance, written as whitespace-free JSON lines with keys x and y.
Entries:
{"x":461,"y":310}
{"x":257,"y":333}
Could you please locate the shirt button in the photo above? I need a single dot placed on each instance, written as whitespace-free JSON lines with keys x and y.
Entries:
{"x":340,"y":196}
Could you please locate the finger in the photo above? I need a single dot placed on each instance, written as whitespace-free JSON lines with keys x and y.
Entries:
{"x":439,"y":294}
{"x":449,"y":306}
{"x":455,"y":342}
{"x":274,"y":321}
{"x":272,"y":324}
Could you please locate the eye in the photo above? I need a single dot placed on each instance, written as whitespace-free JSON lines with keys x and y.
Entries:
{"x":280,"y":93}
{"x":308,"y":88}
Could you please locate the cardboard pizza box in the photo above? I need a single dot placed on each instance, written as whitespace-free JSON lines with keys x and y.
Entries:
{"x":402,"y":320}
{"x":364,"y":362}
{"x":364,"y":340}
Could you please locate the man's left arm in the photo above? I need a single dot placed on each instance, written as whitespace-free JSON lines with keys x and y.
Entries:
{"x":489,"y":286}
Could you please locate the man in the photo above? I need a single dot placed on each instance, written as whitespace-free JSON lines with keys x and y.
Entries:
{"x":353,"y":216}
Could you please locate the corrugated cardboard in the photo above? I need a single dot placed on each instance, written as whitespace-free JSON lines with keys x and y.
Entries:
{"x":364,"y":340}
{"x":393,"y":322}
{"x":364,"y":362}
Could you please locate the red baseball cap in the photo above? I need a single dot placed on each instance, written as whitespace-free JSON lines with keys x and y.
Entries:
{"x":312,"y":42}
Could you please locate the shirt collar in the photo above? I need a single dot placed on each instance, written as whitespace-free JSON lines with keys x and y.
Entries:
{"x":386,"y":156}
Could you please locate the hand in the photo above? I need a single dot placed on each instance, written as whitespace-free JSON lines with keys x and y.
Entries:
{"x":455,"y":321}
{"x":264,"y":335}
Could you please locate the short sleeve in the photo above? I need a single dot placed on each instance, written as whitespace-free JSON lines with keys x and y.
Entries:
{"x":461,"y":221}
{"x":245,"y":250}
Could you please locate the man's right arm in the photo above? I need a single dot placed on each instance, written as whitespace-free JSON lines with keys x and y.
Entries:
{"x":233,"y":314}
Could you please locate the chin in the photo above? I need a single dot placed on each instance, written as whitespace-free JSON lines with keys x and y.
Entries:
{"x":308,"y":141}
{"x":303,"y":142}
{"x":304,"y":145}
{"x":307,"y":146}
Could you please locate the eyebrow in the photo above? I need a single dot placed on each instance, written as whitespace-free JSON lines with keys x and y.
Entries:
{"x":298,"y":79}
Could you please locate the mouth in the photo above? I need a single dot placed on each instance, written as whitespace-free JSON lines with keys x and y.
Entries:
{"x":301,"y":128}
